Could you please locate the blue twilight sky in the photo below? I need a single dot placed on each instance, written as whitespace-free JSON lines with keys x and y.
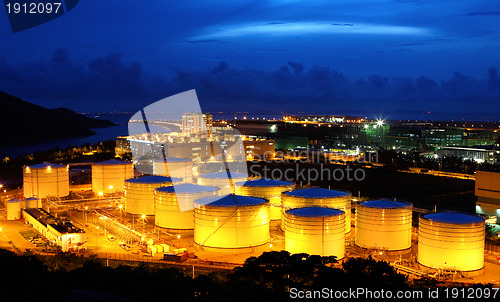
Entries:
{"x":428,"y":59}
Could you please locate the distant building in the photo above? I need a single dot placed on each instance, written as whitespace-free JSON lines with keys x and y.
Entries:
{"x":496,"y":148}
{"x":335,"y":119}
{"x":488,"y":193}
{"x":60,"y":232}
{"x":480,"y":154}
{"x":197,"y":146}
{"x":193,"y":123}
{"x":122,"y":145}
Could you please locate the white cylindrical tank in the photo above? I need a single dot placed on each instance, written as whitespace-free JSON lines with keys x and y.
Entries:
{"x":315,"y":231}
{"x":140,"y":193}
{"x":44,"y":180}
{"x":109,"y":176}
{"x":231,"y":221}
{"x":451,"y":240}
{"x":14,"y":207}
{"x":269,"y":189}
{"x":384,"y":224}
{"x":222,"y":181}
{"x":32,"y":203}
{"x":318,"y":197}
{"x":174,"y":167}
{"x":174,"y":205}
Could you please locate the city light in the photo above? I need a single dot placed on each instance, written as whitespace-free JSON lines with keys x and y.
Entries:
{"x":111,"y":187}
{"x":100,"y":193}
{"x":380,"y":122}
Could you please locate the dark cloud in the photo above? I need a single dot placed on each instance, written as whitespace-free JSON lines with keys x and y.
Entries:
{"x":493,"y":13}
{"x":110,"y":82}
{"x":203,"y":41}
{"x":61,"y":81}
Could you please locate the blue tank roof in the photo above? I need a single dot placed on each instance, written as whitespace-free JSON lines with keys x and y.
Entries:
{"x":14,"y":200}
{"x":264,"y":182}
{"x":112,"y":162}
{"x":152,"y":179}
{"x":187,"y":188}
{"x":231,"y":200}
{"x":385,"y":204}
{"x":314,"y":212}
{"x":222,"y":175}
{"x":45,"y":165}
{"x":317,"y":193}
{"x":32,"y":198}
{"x":453,"y":217}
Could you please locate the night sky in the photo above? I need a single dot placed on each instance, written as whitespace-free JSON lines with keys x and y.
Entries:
{"x":434,"y":59}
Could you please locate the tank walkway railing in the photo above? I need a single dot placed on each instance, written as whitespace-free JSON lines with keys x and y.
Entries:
{"x":492,"y":248}
{"x":158,"y":259}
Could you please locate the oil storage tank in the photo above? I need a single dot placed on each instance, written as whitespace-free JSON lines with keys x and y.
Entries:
{"x":384,"y":224}
{"x":222,"y":181}
{"x":46,"y":179}
{"x":109,"y":176}
{"x":451,"y":240}
{"x":269,"y":189}
{"x":174,"y":167}
{"x":315,"y":231}
{"x":32,"y":203}
{"x":14,"y":207}
{"x":174,"y":205}
{"x":231,"y":221}
{"x":318,"y":197}
{"x":140,"y":193}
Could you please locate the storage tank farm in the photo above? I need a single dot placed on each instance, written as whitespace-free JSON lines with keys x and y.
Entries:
{"x":222,"y":181}
{"x":269,"y":189}
{"x":109,"y":176}
{"x":174,"y":205}
{"x":174,"y":167}
{"x":384,"y":224}
{"x":14,"y":207}
{"x":46,"y":179}
{"x":451,"y":240}
{"x":140,"y":193}
{"x":231,"y":221}
{"x":315,"y":231}
{"x":318,"y":197}
{"x":32,"y":203}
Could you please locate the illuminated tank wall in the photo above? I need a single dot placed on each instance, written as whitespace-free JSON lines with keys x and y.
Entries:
{"x":384,"y":224}
{"x":174,"y":167}
{"x":232,"y":221}
{"x":44,"y":180}
{"x":32,"y":203}
{"x":140,"y":193}
{"x":318,"y":197}
{"x":174,"y":205}
{"x":315,"y":231}
{"x":451,"y":240}
{"x":14,"y":207}
{"x":109,"y":176}
{"x":269,"y":189}
{"x":221,"y":181}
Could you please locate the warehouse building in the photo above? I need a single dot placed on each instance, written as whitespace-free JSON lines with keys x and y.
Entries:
{"x":61,"y":232}
{"x":488,"y":194}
